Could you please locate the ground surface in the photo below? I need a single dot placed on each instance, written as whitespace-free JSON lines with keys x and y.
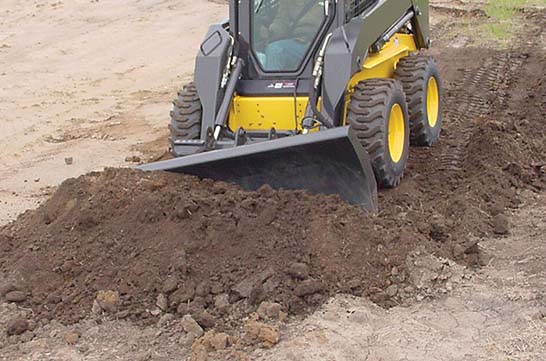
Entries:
{"x":93,"y":273}
{"x":497,"y":313}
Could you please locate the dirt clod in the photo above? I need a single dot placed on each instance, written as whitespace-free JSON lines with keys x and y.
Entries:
{"x":269,"y":310}
{"x":501,"y":224}
{"x":213,"y":341}
{"x":6,"y":288}
{"x":108,"y":301}
{"x":221,"y":302}
{"x":16,"y":296}
{"x":166,"y":319}
{"x":17,"y":326}
{"x":133,"y":159}
{"x":245,"y":288}
{"x":170,"y":285}
{"x":309,"y":287}
{"x":392,"y":290}
{"x":191,"y":326}
{"x":162,"y":302}
{"x":205,"y":319}
{"x":72,"y":337}
{"x":260,"y":332}
{"x":299,"y":270}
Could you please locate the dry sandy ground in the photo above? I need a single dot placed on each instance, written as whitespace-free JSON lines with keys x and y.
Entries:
{"x":88,"y":80}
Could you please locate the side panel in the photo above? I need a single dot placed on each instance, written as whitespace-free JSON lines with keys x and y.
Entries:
{"x":422,"y":22}
{"x":209,"y":67}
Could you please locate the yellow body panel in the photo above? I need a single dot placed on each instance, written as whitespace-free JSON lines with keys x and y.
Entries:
{"x":383,"y":64}
{"x":264,"y":113}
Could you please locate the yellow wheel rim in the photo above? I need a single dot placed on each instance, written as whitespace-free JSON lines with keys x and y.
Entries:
{"x":397,"y":133}
{"x":433,"y":102}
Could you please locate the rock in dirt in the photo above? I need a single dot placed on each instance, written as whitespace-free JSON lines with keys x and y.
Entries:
{"x":182,"y":295}
{"x":270,"y":310}
{"x":261,"y":332}
{"x":245,"y":288}
{"x":72,"y":337}
{"x":16,"y":296}
{"x":96,"y":309}
{"x":221,"y":302}
{"x":309,"y":287}
{"x":392,"y":290}
{"x":165,"y":320}
{"x":5,"y":289}
{"x":191,"y":326}
{"x":216,"y":288}
{"x":299,"y":270}
{"x":162,"y":302}
{"x":199,"y":352}
{"x":205,"y":319}
{"x":155,"y":312}
{"x":133,"y":159}
{"x":458,"y":250}
{"x":192,"y":308}
{"x":203,"y":289}
{"x":213,"y":341}
{"x":220,"y":341}
{"x":170,"y":285}
{"x":501,"y":224}
{"x":108,"y":301}
{"x":17,"y":326}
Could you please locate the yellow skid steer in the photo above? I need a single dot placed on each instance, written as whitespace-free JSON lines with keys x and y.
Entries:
{"x":320,"y":95}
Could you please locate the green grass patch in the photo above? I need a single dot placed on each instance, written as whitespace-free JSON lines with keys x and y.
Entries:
{"x":503,"y":17}
{"x":507,"y":9}
{"x":502,"y":22}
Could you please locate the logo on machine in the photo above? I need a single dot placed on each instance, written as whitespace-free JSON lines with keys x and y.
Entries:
{"x":282,"y":85}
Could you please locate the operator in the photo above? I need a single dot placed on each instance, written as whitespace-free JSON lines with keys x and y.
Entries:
{"x":291,"y":32}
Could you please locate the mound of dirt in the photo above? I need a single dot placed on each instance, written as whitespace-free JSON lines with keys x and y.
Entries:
{"x":145,"y":235}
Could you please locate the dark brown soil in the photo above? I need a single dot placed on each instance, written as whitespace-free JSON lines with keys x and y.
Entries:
{"x":192,"y":240}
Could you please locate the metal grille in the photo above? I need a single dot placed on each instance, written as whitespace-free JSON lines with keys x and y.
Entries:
{"x":357,"y":7}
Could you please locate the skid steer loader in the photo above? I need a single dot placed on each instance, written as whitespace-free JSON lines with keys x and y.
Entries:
{"x":321,"y":95}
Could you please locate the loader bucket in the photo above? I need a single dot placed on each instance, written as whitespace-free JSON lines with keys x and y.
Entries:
{"x":327,"y":162}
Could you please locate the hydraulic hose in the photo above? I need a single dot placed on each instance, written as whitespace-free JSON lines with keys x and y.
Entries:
{"x":316,"y":84}
{"x":230,"y":90}
{"x":313,"y":100}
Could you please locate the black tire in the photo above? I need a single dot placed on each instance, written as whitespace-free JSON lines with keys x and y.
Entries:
{"x":369,"y":115}
{"x":185,"y":116}
{"x":415,"y":73}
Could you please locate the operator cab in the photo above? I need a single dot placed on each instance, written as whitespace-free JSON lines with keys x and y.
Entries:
{"x":284,"y":32}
